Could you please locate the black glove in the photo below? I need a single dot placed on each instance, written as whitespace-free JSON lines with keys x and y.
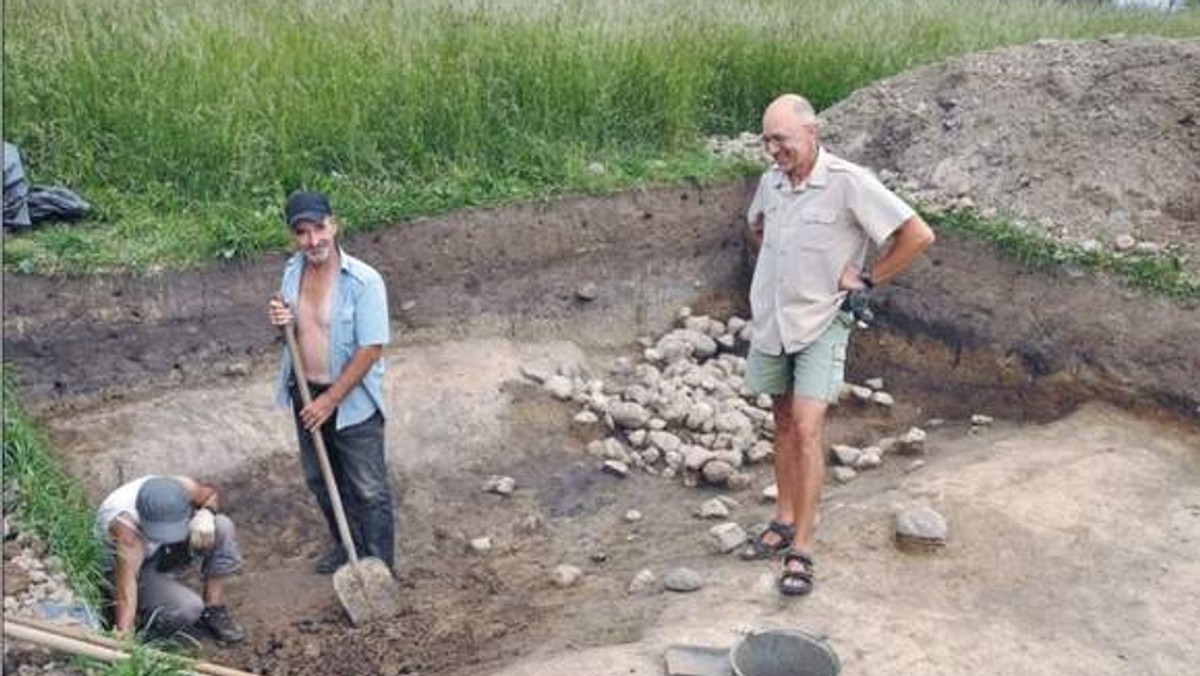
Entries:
{"x":858,"y":303}
{"x":173,"y":556}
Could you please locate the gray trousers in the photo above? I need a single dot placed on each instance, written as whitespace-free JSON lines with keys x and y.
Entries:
{"x":165,"y":604}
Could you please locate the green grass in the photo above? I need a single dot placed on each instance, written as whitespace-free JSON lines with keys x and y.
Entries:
{"x":186,"y":122}
{"x":52,"y":503}
{"x":1162,"y":274}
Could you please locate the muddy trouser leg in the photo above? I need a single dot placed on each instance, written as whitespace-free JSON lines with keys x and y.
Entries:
{"x":368,"y":488}
{"x":165,"y":605}
{"x":312,"y":469}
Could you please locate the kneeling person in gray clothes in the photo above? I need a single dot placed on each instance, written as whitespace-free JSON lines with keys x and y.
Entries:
{"x":153,"y":528}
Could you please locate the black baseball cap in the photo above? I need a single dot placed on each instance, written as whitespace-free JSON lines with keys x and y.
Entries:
{"x":304,"y":205}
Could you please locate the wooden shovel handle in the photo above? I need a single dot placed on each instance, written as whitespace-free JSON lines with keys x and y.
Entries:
{"x":335,"y":496}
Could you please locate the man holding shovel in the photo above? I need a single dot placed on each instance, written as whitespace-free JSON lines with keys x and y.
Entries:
{"x":812,"y":219}
{"x":339,"y":306}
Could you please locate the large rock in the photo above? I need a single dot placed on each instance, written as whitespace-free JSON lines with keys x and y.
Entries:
{"x":920,"y":528}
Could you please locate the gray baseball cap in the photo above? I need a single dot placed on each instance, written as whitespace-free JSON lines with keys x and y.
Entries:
{"x":163,"y":509}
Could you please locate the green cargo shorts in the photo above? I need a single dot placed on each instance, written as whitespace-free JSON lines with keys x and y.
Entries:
{"x":816,"y":371}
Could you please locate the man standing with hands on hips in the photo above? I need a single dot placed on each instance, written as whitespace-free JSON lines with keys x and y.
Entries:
{"x":339,"y":306}
{"x":812,"y":219}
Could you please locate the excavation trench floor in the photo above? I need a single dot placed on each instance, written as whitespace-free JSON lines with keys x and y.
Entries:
{"x":1074,"y":545}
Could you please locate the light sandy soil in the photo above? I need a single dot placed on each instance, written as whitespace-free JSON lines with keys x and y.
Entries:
{"x":1074,"y":546}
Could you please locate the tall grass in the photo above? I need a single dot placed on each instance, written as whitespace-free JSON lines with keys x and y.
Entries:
{"x":52,"y":503}
{"x":186,"y":121}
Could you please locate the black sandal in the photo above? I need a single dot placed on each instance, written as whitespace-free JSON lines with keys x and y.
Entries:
{"x":796,"y":582}
{"x":758,"y":548}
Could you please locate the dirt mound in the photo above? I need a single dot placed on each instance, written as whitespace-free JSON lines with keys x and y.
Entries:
{"x":1084,"y":140}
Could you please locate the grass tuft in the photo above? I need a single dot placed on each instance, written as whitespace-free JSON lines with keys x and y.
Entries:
{"x":1161,"y":274}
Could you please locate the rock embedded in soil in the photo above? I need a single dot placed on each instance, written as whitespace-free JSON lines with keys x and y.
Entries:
{"x":845,"y":455}
{"x":616,"y":468}
{"x":644,"y":583}
{"x":500,"y":485}
{"x":560,"y":386}
{"x":633,"y":516}
{"x":717,"y":472}
{"x":920,"y":528}
{"x":911,"y":442}
{"x":566,"y":576}
{"x":980,"y":420}
{"x":481,"y":545}
{"x":727,"y":537}
{"x":770,"y":493}
{"x":587,"y":291}
{"x":713,"y":509}
{"x":843,"y":474}
{"x":683,"y":579}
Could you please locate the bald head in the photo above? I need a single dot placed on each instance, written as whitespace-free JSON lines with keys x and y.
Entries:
{"x":793,"y":108}
{"x":790,"y":135}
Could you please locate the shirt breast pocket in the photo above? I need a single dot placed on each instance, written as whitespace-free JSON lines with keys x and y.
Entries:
{"x":820,"y":231}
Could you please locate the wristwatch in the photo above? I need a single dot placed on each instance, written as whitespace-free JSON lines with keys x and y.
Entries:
{"x":867,"y":280}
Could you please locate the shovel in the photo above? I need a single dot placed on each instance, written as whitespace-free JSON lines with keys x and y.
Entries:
{"x":365,"y":587}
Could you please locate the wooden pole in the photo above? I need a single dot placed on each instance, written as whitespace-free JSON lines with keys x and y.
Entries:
{"x":87,"y":644}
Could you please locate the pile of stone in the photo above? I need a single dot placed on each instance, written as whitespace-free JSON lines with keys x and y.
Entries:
{"x":682,"y":410}
{"x":35,"y":587}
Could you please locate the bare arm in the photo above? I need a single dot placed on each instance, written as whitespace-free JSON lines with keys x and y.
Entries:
{"x":128,"y":544}
{"x":911,"y":239}
{"x":202,"y":496}
{"x":316,"y":413}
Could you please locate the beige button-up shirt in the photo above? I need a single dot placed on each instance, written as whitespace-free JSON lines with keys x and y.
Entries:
{"x":810,"y":232}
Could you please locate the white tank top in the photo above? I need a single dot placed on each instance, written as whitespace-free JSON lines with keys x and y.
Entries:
{"x":124,"y":501}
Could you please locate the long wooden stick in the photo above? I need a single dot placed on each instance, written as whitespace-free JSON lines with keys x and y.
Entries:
{"x":87,"y":644}
{"x":335,"y":497}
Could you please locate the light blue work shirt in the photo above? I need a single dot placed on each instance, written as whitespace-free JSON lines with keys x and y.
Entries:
{"x":359,"y":318}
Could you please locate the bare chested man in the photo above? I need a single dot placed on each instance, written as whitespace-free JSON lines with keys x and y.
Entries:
{"x":341,"y":327}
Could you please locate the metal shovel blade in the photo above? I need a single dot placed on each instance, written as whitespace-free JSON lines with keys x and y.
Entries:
{"x":367,"y":590}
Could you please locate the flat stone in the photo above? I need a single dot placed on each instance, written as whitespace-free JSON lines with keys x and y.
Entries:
{"x":883,"y":399}
{"x":982,"y":420}
{"x":770,"y":493}
{"x":586,"y":418}
{"x":629,"y":415}
{"x":921,"y":527}
{"x":874,"y":383}
{"x":481,"y":545}
{"x":501,"y":485}
{"x":713,"y":509}
{"x":845,"y":455}
{"x":633,"y":516}
{"x":683,"y":579}
{"x":727,"y":536}
{"x":587,"y":292}
{"x":616,"y":468}
{"x":843,"y":474}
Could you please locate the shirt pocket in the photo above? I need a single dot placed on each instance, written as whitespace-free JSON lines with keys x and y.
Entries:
{"x":818,"y":231}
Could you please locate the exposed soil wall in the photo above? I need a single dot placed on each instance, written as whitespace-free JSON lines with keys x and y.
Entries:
{"x":963,"y":322}
{"x":510,"y":271}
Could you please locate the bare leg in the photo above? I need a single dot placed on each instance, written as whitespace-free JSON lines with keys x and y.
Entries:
{"x":214,"y":590}
{"x":787,"y":470}
{"x":808,"y":423}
